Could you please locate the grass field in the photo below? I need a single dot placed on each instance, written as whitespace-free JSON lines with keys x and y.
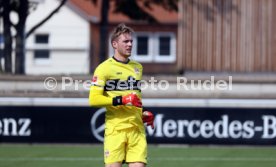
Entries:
{"x":159,"y":156}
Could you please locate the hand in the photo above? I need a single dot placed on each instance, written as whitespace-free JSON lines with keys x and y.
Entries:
{"x":132,"y":100}
{"x":148,"y":118}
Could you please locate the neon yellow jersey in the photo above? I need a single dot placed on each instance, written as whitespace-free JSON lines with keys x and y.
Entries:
{"x":113,"y":78}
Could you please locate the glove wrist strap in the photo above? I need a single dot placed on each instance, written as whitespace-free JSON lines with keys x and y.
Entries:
{"x":118,"y":100}
{"x":145,"y":109}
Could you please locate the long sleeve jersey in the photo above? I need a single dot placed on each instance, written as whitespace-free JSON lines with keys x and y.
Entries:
{"x":113,"y":78}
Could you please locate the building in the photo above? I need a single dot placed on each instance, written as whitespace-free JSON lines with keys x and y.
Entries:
{"x":154,"y":44}
{"x":61,"y":45}
{"x":236,"y":36}
{"x":68,"y":43}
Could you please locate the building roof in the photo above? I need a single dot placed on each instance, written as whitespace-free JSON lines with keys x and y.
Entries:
{"x":92,"y":12}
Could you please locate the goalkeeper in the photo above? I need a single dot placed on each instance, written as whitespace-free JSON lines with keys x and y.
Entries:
{"x":115,"y":85}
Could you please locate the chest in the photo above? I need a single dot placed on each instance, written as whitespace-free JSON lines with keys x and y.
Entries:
{"x":126,"y":72}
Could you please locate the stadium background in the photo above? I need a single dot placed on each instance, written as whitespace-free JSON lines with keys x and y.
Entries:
{"x":45,"y":119}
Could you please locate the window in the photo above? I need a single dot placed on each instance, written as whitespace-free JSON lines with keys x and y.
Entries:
{"x":42,"y":38}
{"x":142,"y":45}
{"x":153,"y":47}
{"x":166,"y":47}
{"x":41,"y":54}
{"x":41,"y":51}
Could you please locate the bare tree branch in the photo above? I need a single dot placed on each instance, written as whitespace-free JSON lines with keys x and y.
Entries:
{"x":45,"y":19}
{"x":133,"y":11}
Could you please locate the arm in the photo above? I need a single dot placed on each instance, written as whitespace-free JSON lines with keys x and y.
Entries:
{"x":98,"y":99}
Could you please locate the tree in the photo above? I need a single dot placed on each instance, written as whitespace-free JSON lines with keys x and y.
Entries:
{"x":22,"y":8}
{"x":7,"y":36}
{"x":1,"y":53}
{"x":133,"y":11}
{"x":22,"y":11}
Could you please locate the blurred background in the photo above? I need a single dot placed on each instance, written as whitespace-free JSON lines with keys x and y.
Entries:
{"x":49,"y":50}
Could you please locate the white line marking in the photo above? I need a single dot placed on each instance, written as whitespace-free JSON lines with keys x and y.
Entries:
{"x":53,"y":159}
{"x":230,"y":159}
{"x":151,"y":102}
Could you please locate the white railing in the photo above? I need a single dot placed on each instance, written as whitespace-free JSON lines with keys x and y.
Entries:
{"x":154,"y":102}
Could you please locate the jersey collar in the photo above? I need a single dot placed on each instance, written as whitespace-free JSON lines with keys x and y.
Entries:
{"x":120,"y":61}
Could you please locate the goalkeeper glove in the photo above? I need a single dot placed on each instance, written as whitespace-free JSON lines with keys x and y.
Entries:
{"x":130,"y":100}
{"x":148,"y":118}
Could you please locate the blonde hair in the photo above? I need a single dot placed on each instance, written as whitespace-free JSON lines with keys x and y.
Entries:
{"x":120,"y":29}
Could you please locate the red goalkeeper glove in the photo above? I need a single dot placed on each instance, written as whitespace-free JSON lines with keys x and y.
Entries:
{"x":130,"y":100}
{"x":148,"y":118}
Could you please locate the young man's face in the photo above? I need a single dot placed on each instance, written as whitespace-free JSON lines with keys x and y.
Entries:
{"x":123,"y":45}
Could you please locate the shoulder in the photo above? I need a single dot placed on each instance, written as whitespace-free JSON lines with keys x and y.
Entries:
{"x":105,"y":64}
{"x":104,"y":67}
{"x":136,"y":64}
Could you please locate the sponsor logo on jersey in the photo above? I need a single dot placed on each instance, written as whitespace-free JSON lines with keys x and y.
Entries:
{"x":95,"y":80}
{"x":136,"y":70}
{"x":120,"y":85}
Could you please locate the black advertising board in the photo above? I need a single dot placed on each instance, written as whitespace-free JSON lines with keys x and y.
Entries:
{"x":214,"y":126}
{"x":221,"y":126}
{"x":46,"y":124}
